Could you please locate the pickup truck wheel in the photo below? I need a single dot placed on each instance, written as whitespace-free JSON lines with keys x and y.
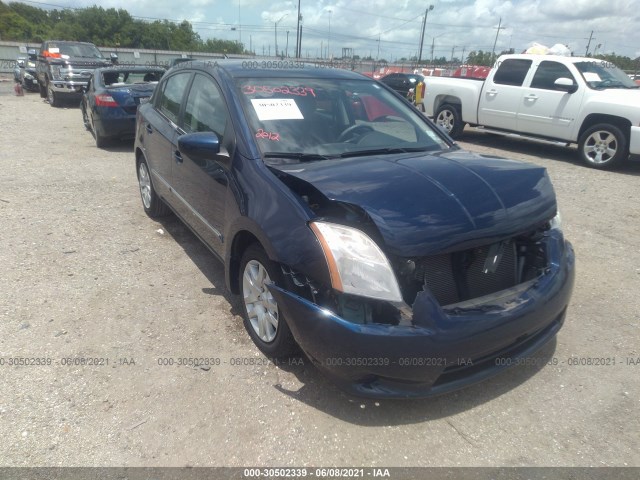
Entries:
{"x":262,"y":318}
{"x":450,"y":119}
{"x":603,"y":146}
{"x":43,"y":90}
{"x":152,"y":203}
{"x":52,"y":97}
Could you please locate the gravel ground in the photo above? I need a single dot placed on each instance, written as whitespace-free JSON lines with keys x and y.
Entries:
{"x":85,"y":273}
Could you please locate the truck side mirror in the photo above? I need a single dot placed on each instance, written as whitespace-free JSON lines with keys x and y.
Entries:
{"x":20,"y":63}
{"x":114,"y":58}
{"x":565,"y":85}
{"x":33,"y":55}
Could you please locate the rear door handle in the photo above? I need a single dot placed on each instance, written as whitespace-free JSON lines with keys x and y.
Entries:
{"x":178,"y":156}
{"x":492,"y":93}
{"x":531,"y":97}
{"x":148,"y":127}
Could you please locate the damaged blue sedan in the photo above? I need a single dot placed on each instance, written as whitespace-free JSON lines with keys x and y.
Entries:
{"x":353,"y":228}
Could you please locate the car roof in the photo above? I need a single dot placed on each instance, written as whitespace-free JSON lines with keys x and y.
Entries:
{"x":279,"y":69}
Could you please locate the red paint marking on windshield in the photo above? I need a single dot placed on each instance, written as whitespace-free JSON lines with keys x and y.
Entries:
{"x":298,"y":91}
{"x":268,"y":135}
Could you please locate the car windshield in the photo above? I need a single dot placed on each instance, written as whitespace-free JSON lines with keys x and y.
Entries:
{"x":315,"y":119}
{"x":113,"y":78}
{"x":600,"y":74}
{"x":77,"y":50}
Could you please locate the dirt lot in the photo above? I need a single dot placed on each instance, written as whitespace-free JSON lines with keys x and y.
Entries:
{"x":85,"y":273}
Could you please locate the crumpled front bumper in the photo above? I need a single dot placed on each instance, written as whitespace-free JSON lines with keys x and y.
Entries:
{"x":444,"y":349}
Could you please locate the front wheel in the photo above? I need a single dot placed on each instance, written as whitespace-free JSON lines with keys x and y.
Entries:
{"x":43,"y":90}
{"x":449,"y":118}
{"x":603,"y":146}
{"x":54,"y":101}
{"x":262,"y":318}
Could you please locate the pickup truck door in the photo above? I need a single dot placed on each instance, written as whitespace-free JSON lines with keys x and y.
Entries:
{"x":501,"y":94}
{"x":545,"y":110}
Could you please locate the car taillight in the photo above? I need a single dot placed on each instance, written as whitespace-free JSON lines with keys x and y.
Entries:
{"x":104,"y":100}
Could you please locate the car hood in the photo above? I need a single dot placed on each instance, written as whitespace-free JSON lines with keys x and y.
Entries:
{"x":425,"y":204}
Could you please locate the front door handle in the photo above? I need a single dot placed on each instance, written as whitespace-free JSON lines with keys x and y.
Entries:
{"x":177,"y":156}
{"x":148,"y":127}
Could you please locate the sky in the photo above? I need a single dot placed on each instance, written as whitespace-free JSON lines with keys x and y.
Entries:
{"x":392,"y":29}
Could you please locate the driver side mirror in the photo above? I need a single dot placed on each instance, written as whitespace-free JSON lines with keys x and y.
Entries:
{"x":114,"y":58}
{"x":565,"y":85}
{"x":33,"y":55}
{"x":20,"y":63}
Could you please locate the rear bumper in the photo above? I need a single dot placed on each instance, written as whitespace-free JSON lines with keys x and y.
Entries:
{"x":114,"y":123}
{"x":444,"y":349}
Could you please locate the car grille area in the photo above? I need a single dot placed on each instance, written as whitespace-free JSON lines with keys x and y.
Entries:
{"x":468,"y":274}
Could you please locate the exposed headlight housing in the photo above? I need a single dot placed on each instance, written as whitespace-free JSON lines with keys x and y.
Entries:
{"x":356,"y":263}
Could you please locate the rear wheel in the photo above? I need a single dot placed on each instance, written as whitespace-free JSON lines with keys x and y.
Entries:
{"x":449,"y":118}
{"x":101,"y":140}
{"x":262,"y":318}
{"x":603,"y":146}
{"x":85,"y":117}
{"x":152,"y":203}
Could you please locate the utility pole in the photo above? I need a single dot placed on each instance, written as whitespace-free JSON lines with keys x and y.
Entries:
{"x":433,"y":43}
{"x":298,"y":32}
{"x":424,"y":26}
{"x":275,"y":28}
{"x":287,"y":48}
{"x":589,"y":44}
{"x":453,"y":50}
{"x":378,"y":57}
{"x":493,"y":52}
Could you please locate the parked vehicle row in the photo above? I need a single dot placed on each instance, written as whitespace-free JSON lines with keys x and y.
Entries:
{"x":353,"y":228}
{"x":564,"y":99}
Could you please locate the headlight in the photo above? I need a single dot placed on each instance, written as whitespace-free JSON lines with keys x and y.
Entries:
{"x":356,"y":264}
{"x":56,"y":73}
{"x":556,"y":222}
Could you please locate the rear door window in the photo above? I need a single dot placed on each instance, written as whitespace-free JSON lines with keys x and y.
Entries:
{"x":512,"y":71}
{"x":170,"y":98}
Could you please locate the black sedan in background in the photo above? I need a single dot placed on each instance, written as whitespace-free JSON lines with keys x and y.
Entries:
{"x":353,"y":228}
{"x":402,"y":82}
{"x":111,"y":99}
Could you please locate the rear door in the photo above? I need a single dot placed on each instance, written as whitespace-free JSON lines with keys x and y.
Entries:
{"x":201,"y":186}
{"x":160,"y":125}
{"x":500,"y":97}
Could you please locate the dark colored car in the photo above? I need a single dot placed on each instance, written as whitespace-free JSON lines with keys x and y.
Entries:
{"x":402,"y":82}
{"x":355,"y":229}
{"x":111,"y":99}
{"x":25,"y":71}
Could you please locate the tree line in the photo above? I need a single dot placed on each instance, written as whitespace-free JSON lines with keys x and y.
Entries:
{"x":105,"y":27}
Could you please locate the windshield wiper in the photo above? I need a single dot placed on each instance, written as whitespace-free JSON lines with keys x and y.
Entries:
{"x":302,"y":157}
{"x":385,"y":151}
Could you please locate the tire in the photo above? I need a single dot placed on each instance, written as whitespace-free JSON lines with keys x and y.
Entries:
{"x":43,"y":90}
{"x":449,"y":118}
{"x":265,"y":324}
{"x":603,"y":146}
{"x":85,"y":117}
{"x":101,"y":140}
{"x":53,"y":98}
{"x":151,"y":202}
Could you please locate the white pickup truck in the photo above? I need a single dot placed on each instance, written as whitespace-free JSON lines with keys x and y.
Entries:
{"x":546,"y":97}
